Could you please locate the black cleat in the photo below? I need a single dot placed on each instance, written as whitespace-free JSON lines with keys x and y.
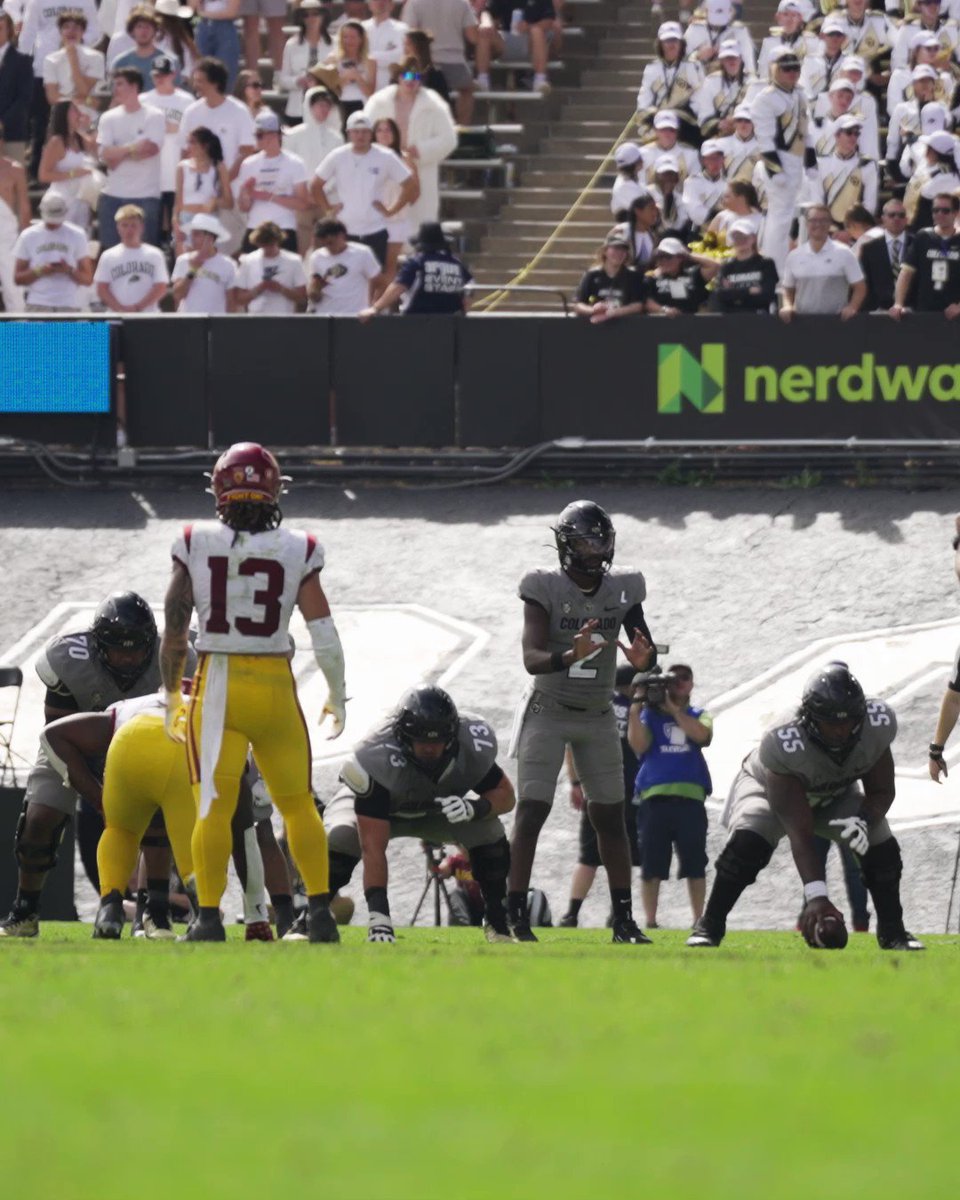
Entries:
{"x":627,"y":931}
{"x":109,"y":922}
{"x":20,"y":925}
{"x":705,"y":933}
{"x":205,"y":929}
{"x":298,"y":930}
{"x":568,"y":921}
{"x":897,"y":938}
{"x":322,"y":926}
{"x":520,"y":928}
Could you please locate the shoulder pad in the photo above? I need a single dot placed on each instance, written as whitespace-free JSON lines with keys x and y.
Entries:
{"x":355,"y":777}
{"x":533,"y":585}
{"x":48,"y":675}
{"x":472,"y":727}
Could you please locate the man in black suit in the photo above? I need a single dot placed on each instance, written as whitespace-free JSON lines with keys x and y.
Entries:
{"x":16,"y":90}
{"x":882,"y":257}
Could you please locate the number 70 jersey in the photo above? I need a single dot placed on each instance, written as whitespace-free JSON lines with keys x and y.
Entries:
{"x":245,"y":584}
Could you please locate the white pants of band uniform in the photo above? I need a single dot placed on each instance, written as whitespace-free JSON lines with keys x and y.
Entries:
{"x":748,"y":808}
{"x":9,"y":232}
{"x":783,"y":196}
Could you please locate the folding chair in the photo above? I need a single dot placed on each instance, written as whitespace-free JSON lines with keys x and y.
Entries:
{"x":10,"y":677}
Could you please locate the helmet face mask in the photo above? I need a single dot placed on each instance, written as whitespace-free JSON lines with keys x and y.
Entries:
{"x":247,"y":485}
{"x":585,"y":539}
{"x":427,"y":715}
{"x":833,"y":710}
{"x":125,"y":633}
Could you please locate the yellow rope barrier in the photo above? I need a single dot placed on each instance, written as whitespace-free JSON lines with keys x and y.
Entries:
{"x":489,"y":303}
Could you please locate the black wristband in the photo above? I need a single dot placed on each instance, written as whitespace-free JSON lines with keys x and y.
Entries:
{"x":556,"y":661}
{"x":377,"y":901}
{"x":935,"y":750}
{"x":481,"y":808}
{"x":955,"y":542}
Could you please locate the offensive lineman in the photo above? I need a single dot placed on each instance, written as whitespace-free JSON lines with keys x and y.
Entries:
{"x":83,"y":672}
{"x":571,"y":619}
{"x":805,"y":778}
{"x":244,"y":574}
{"x":409,"y":778}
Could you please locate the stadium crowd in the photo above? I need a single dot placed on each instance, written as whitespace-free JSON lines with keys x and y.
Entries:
{"x":124,"y":113}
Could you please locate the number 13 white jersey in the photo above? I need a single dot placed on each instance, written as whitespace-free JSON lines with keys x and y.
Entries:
{"x":245,"y":584}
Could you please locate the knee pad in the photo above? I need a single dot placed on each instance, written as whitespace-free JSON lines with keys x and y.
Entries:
{"x":491,"y":863}
{"x":37,"y":856}
{"x":744,"y":857}
{"x":341,"y":869}
{"x":882,"y":864}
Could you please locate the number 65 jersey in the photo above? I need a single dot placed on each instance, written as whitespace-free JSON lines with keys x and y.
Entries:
{"x":245,"y":584}
{"x":787,"y":749}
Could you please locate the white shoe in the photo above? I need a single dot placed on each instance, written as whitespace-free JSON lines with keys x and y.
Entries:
{"x":495,"y":938}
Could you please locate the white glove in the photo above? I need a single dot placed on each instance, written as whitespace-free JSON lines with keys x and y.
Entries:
{"x":853,"y":830}
{"x":456,"y":809}
{"x":337,"y":711}
{"x":381,"y":928}
{"x":175,"y":718}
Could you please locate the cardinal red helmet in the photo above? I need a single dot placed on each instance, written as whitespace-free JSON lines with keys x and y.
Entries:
{"x":247,"y":484}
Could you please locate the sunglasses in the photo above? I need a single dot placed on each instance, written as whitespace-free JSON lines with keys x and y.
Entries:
{"x":942,"y":210}
{"x":410,"y":77}
{"x":254,"y":83}
{"x":899,"y":216}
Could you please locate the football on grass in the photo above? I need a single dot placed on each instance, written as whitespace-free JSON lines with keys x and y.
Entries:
{"x":830,"y":933}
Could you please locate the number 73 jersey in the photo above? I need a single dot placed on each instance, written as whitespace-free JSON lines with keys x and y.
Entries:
{"x":786,"y":749}
{"x":245,"y":584}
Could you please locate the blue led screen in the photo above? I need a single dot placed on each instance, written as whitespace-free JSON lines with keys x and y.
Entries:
{"x":54,"y":367}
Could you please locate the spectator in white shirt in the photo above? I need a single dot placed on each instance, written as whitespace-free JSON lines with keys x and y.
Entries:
{"x":272,"y":184}
{"x":51,"y":260}
{"x":311,"y":45}
{"x":73,"y":71}
{"x":204,"y":280}
{"x":69,"y":163}
{"x":312,"y":140}
{"x":342,"y":273}
{"x":223,"y":115}
{"x":203,"y":183}
{"x":361,"y":172}
{"x":627,"y":184}
{"x":129,"y":139}
{"x":173,"y":102}
{"x":131,"y":277}
{"x":271,"y":279}
{"x":14,"y":217}
{"x":821,"y":276}
{"x":385,"y":39}
{"x":356,"y":69}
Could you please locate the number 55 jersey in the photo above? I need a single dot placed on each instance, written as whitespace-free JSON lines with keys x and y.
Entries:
{"x":245,"y":585}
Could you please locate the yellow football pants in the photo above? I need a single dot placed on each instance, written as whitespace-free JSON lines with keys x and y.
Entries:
{"x":262,"y":711}
{"x":145,"y":771}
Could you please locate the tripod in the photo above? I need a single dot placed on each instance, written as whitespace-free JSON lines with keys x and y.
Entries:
{"x":434,"y":856}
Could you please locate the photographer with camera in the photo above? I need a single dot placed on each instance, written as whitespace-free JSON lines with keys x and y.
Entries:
{"x":668,"y":733}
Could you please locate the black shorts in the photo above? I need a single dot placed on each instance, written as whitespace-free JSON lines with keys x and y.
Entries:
{"x":668,"y":822}
{"x":589,"y":850}
{"x":538,"y":10}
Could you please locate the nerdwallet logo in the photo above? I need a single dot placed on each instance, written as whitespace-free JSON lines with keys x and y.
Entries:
{"x":680,"y":376}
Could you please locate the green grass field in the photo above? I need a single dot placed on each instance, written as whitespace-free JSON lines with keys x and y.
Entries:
{"x":444,"y":1067}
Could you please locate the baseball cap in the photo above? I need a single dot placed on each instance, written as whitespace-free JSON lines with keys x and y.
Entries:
{"x":666,"y":119}
{"x":666,"y":162}
{"x":783,"y":56}
{"x":790,"y":6}
{"x":833,"y":25}
{"x":671,"y":245}
{"x":670,"y":29}
{"x":358,"y":121}
{"x":743,"y":112}
{"x":729,"y":49}
{"x":933,"y":117}
{"x":925,"y":38}
{"x":163,"y":64}
{"x":719,"y":12}
{"x":940,"y":142}
{"x":842,"y":85}
{"x":267,"y":122}
{"x":923,"y":71}
{"x":173,"y":8}
{"x":710,"y":146}
{"x":853,"y":62}
{"x":208,"y":223}
{"x":53,"y":207}
{"x":627,"y":154}
{"x":618,"y":236}
{"x":744,"y":227}
{"x":849,"y":121}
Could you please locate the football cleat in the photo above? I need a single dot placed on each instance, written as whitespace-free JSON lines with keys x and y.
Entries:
{"x":157,"y":927}
{"x":705,"y":934}
{"x":298,"y":930}
{"x":568,"y":921}
{"x":109,"y":921}
{"x":497,"y":937}
{"x":627,"y":931}
{"x":20,"y":926}
{"x":205,"y":929}
{"x":897,"y":939}
{"x":520,"y":928}
{"x":322,"y":926}
{"x":258,"y":931}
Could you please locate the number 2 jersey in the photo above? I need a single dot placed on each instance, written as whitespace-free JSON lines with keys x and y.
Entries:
{"x":786,"y":749}
{"x":386,"y":784}
{"x":617,"y":602}
{"x":245,"y":584}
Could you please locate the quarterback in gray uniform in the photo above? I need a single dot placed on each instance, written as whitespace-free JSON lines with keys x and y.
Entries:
{"x":115,"y":659}
{"x":572,"y":617}
{"x":410,"y":778}
{"x":825,"y":770}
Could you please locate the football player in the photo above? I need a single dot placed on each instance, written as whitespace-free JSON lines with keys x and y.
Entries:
{"x":244,"y":574}
{"x":571,"y":621}
{"x":411,"y":777}
{"x":83,"y":672}
{"x":825,"y":769}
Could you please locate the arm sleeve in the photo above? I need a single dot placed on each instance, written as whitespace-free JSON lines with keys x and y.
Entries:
{"x":376,"y":802}
{"x":489,"y":781}
{"x":61,"y":697}
{"x":407,"y":273}
{"x":954,"y":684}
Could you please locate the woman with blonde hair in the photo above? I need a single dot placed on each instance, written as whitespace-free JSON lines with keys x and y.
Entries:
{"x":357,"y":70}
